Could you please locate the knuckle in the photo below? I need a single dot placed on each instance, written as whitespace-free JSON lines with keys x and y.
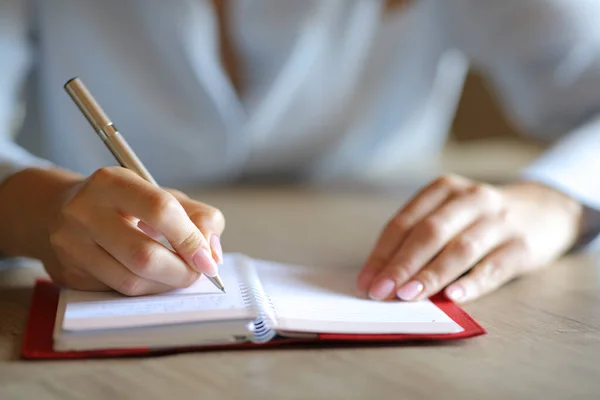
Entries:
{"x":521,"y":249}
{"x":493,"y":275}
{"x":400,"y":223}
{"x":519,"y":243}
{"x":432,"y":228}
{"x":397,"y":271}
{"x":430,"y":279}
{"x":191,"y":241}
{"x":488,"y":277}
{"x":163,"y":206}
{"x":487,"y":195}
{"x":448,"y":180}
{"x":93,"y":188}
{"x":143,"y":257}
{"x":478,"y":285}
{"x":104,"y":176}
{"x":400,"y":274}
{"x":211,"y":218}
{"x":131,"y":286}
{"x":375,"y":263}
{"x":209,"y":215}
{"x":217,"y":216}
{"x":479,"y":189}
{"x":465,"y":247}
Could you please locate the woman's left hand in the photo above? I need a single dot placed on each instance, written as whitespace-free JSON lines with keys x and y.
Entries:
{"x":469,"y":239}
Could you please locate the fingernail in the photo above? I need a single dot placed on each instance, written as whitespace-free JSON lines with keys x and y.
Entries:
{"x":382,"y":290}
{"x":455,"y":292}
{"x":410,"y":290}
{"x":204,"y":262}
{"x":215,"y":245}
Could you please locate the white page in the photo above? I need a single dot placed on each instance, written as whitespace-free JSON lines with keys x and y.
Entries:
{"x":200,"y":302}
{"x":309,"y":299}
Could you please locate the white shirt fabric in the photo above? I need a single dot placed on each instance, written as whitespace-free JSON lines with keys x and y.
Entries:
{"x":334,"y":89}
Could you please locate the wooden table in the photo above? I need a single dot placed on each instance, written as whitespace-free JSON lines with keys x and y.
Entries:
{"x":543,"y":341}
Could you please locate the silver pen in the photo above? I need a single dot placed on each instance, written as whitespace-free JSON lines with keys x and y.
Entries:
{"x":117,"y":145}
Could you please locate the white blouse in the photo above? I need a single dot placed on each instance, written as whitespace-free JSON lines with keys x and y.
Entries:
{"x":334,"y":89}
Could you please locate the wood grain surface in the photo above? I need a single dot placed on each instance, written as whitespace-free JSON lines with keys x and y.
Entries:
{"x":543,"y":340}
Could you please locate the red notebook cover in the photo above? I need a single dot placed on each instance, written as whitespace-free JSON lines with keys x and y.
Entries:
{"x":38,"y":342}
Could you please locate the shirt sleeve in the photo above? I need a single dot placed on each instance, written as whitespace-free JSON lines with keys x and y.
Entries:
{"x":16,"y":55}
{"x":543,"y":59}
{"x":572,"y":165}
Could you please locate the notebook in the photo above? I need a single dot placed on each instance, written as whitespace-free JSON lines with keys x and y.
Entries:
{"x":266,"y":304}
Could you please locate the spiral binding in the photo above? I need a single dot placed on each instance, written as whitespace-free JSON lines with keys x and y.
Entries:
{"x":262,"y":328}
{"x":254,"y":297}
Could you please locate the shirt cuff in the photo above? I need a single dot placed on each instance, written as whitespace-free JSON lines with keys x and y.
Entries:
{"x":14,"y":159}
{"x":572,"y":166}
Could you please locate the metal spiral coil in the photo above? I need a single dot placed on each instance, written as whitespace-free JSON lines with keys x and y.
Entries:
{"x":263,"y":325}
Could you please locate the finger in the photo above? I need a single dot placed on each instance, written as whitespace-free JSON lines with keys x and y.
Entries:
{"x":140,"y":254}
{"x":209,"y":220}
{"x":121,"y":279}
{"x":73,"y":277}
{"x":68,"y":254}
{"x":107,"y":272}
{"x":461,"y":254}
{"x":148,"y":230}
{"x":158,"y":209}
{"x":490,"y":273}
{"x":424,"y":203}
{"x":431,"y":235}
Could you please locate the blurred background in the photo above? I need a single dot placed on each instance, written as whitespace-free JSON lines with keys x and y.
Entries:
{"x":483,"y":143}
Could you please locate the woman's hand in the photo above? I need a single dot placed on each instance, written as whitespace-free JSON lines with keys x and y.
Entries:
{"x":468,"y":238}
{"x":99,"y":234}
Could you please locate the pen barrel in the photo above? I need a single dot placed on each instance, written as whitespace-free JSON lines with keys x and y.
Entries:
{"x":87,"y":104}
{"x":105,"y":129}
{"x":124,"y":155}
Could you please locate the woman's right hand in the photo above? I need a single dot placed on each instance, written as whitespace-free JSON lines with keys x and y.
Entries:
{"x":100,"y":236}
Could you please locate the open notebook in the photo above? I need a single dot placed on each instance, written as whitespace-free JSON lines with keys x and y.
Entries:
{"x":266,"y":303}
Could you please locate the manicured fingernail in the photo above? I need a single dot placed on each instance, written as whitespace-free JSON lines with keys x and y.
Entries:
{"x":215,"y":245}
{"x":455,"y":292}
{"x":382,"y":290}
{"x":410,"y":290}
{"x":204,"y":262}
